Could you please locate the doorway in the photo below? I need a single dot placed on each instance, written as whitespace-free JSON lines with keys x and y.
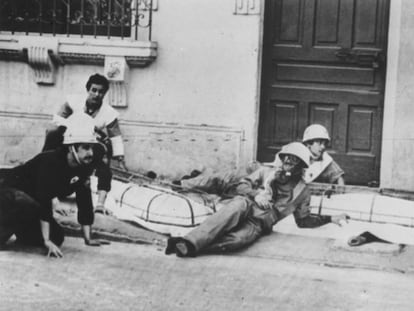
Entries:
{"x":324,"y":61}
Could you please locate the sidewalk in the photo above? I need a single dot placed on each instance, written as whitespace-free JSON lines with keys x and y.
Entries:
{"x":287,"y":242}
{"x":283,"y":271}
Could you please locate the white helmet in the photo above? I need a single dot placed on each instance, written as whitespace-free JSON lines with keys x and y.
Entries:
{"x":297,"y":149}
{"x":80,"y":128}
{"x":315,"y":131}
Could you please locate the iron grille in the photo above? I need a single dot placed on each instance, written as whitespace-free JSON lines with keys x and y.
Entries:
{"x":108,"y":18}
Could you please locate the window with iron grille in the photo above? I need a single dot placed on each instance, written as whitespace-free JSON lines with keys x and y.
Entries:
{"x":109,"y":18}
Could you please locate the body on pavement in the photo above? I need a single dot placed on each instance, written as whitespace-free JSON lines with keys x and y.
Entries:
{"x":254,"y":206}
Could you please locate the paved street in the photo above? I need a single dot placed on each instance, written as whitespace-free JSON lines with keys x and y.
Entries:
{"x":280,"y":272}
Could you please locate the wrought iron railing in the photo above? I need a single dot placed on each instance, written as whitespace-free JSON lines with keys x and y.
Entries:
{"x":98,"y":18}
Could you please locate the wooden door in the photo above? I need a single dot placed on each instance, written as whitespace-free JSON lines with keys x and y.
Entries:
{"x":324,"y":62}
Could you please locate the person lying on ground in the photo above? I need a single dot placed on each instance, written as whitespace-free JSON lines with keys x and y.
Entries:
{"x":27,"y":191}
{"x":322,"y":168}
{"x":251,"y":208}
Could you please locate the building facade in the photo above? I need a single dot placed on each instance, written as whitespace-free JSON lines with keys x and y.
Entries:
{"x":189,"y":88}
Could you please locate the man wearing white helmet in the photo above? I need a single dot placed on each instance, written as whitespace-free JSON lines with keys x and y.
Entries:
{"x":256,"y":204}
{"x":26,"y":191}
{"x":322,"y":167}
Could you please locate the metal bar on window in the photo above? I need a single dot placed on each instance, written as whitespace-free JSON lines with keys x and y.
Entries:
{"x":13,"y":17}
{"x":26,"y":17}
{"x":150,"y":21}
{"x":81,"y":17}
{"x":136,"y":22}
{"x":122,"y":19}
{"x":95,"y":17}
{"x":54,"y":18}
{"x":109,"y":19}
{"x":40,"y":17}
{"x":67,"y":17}
{"x":100,"y":12}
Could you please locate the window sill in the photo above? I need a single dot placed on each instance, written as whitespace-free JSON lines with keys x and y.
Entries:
{"x":78,"y":50}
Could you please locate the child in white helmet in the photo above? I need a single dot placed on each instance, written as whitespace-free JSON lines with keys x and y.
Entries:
{"x":322,"y":167}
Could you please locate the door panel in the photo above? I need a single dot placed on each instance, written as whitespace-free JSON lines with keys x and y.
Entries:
{"x":323,"y":62}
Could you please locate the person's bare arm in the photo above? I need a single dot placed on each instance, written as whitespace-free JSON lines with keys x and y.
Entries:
{"x":52,"y":249}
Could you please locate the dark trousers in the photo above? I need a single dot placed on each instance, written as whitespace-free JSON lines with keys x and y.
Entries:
{"x":239,"y":222}
{"x":19,"y":215}
{"x":230,"y":229}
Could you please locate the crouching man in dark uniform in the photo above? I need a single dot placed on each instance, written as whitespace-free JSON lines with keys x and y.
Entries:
{"x":256,"y":208}
{"x":26,"y":191}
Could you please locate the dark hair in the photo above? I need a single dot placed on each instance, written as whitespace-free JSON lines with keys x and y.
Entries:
{"x":97,"y":79}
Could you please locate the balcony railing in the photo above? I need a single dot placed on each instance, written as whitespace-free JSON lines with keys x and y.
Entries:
{"x":98,"y":18}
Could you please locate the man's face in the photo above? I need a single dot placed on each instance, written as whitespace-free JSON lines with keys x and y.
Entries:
{"x":291,"y":166}
{"x":85,"y":153}
{"x":96,"y":94}
{"x":317,"y":148}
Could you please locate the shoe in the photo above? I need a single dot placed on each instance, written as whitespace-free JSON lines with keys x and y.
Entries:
{"x":184,"y":248}
{"x":181,"y":249}
{"x":357,"y":240}
{"x":171,"y":242}
{"x":195,"y":173}
{"x":364,"y":238}
{"x":176,"y":183}
{"x":180,"y":246}
{"x":151,"y":174}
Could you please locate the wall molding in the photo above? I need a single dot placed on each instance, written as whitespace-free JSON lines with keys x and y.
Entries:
{"x":25,"y":115}
{"x":129,"y":122}
{"x":44,"y":53}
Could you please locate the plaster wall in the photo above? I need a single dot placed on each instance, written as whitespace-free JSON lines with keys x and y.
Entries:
{"x":397,"y":164}
{"x":194,"y":107}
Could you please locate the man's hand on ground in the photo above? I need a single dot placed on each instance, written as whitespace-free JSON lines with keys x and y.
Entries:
{"x":338,"y":219}
{"x":53,"y":250}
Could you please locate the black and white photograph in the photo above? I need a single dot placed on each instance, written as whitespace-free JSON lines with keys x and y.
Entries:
{"x":206,"y":155}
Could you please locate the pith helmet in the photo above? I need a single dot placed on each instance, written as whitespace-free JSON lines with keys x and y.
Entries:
{"x":297,"y":149}
{"x":80,"y":128}
{"x":315,"y":131}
